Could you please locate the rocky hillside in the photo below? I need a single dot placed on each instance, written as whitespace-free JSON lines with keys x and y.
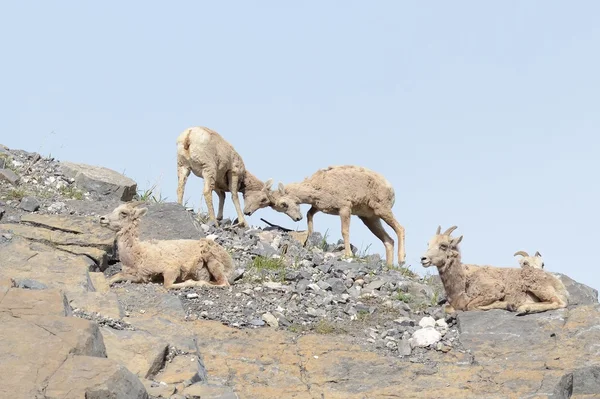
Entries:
{"x":297,"y":322}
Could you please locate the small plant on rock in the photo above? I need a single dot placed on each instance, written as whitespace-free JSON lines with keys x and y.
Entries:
{"x":403,"y":296}
{"x":71,"y":192}
{"x":16,"y":194}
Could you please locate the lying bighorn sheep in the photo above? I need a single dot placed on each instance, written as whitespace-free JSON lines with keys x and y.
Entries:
{"x":195,"y":263}
{"x":534,"y":261}
{"x":487,"y":287}
{"x":345,"y":190}
{"x":207,"y":154}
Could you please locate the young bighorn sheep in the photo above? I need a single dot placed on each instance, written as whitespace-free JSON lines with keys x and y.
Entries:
{"x":345,"y":190}
{"x":194,"y":263}
{"x":524,"y":290}
{"x":534,"y":261}
{"x":208,"y":155}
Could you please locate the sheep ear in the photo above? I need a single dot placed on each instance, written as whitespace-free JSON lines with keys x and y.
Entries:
{"x":281,"y":188}
{"x":538,"y":254}
{"x":456,"y":241}
{"x":140,"y":212}
{"x":268,"y":184}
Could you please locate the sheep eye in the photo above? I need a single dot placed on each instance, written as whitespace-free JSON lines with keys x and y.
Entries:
{"x":526,"y":263}
{"x":284,"y":204}
{"x":123,"y":213}
{"x":443,"y":247}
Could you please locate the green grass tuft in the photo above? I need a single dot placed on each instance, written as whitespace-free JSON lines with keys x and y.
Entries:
{"x":71,"y":192}
{"x":263,"y":263}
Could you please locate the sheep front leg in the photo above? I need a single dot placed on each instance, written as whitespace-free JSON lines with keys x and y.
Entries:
{"x":233,"y":187}
{"x":182,"y":174}
{"x":190,"y":284}
{"x":345,"y":215}
{"x":221,"y":195}
{"x":216,"y":270}
{"x":309,"y":218}
{"x":134,"y":278}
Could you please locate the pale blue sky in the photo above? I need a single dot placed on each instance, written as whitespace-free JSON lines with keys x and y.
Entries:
{"x":484,"y":115}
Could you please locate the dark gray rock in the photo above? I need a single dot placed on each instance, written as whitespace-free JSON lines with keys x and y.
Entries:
{"x":169,"y":221}
{"x":579,"y":294}
{"x":480,"y":329}
{"x":1,"y":213}
{"x":337,"y":285}
{"x":29,"y":204}
{"x":99,"y":180}
{"x":9,"y":176}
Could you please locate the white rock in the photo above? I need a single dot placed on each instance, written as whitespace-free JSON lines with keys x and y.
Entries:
{"x":270,"y":320}
{"x":427,"y":321}
{"x":273,"y":285}
{"x":441,"y":323}
{"x":192,"y":296}
{"x":425,"y":337}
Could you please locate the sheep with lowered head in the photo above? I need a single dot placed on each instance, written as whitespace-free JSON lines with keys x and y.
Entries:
{"x":345,"y":190}
{"x":182,"y":263}
{"x":524,"y":290}
{"x":208,"y":155}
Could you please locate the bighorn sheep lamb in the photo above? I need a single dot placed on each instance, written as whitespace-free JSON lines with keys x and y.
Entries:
{"x":534,"y":261}
{"x":195,"y":263}
{"x":345,"y":190}
{"x":208,"y":155}
{"x":487,"y":287}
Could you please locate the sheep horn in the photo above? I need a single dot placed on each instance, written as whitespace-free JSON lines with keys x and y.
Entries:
{"x":522,"y":253}
{"x":438,"y":230}
{"x":450,"y":230}
{"x":537,"y":253}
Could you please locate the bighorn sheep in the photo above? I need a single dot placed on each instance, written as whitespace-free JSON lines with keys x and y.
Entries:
{"x":195,"y":263}
{"x":345,"y":190}
{"x":534,"y":261}
{"x":207,"y":154}
{"x":487,"y":287}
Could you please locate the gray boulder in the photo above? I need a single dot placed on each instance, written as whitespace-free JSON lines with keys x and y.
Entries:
{"x":102,"y":181}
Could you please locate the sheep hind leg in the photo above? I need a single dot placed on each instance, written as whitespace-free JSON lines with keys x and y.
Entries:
{"x":548,"y":301}
{"x":390,"y":220}
{"x":183,"y":173}
{"x":374,"y":224}
{"x":209,"y":183}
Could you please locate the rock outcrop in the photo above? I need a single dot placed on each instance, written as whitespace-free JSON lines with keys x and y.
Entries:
{"x":298,"y":321}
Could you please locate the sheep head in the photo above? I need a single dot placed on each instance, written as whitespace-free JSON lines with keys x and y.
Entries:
{"x":255,"y":200}
{"x":123,"y":215}
{"x":534,"y":261}
{"x":285,"y":202}
{"x":441,"y":248}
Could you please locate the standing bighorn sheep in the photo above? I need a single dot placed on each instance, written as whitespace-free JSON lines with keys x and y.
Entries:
{"x":208,"y":155}
{"x":524,"y":290}
{"x":195,"y":263}
{"x":345,"y":190}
